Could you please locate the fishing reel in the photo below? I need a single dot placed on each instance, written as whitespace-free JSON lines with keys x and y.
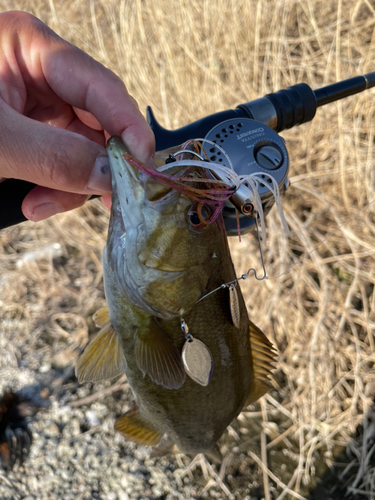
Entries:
{"x":258,"y":159}
{"x":245,"y":138}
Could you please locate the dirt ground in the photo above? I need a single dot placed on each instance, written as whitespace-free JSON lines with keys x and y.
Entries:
{"x":313,"y":435}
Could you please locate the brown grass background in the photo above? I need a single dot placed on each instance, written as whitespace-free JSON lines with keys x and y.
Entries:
{"x":191,"y":58}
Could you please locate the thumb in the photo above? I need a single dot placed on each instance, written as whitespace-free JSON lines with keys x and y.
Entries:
{"x":51,"y":157}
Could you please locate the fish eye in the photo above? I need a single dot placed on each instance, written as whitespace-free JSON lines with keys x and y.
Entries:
{"x":194,"y":219}
{"x":197,"y":215}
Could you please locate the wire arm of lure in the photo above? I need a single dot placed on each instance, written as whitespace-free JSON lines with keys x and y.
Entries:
{"x":243,"y":276}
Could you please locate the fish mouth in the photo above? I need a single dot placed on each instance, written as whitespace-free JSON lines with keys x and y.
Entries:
{"x":128,"y":193}
{"x":119,"y":166}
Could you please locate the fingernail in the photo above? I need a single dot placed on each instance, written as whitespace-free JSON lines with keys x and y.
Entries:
{"x":100,"y":179}
{"x":45,"y":210}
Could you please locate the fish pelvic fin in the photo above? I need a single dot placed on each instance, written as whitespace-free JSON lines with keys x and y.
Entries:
{"x":264,"y":355}
{"x":137,"y":429}
{"x":103,"y":358}
{"x":101,"y":317}
{"x":158,"y":357}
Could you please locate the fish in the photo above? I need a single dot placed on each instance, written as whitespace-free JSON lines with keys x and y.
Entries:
{"x":193,"y":359}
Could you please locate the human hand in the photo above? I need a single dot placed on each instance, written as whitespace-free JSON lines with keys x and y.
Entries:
{"x":57,"y":108}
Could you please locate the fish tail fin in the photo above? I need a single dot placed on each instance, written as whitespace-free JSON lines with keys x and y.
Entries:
{"x":164,"y":448}
{"x":137,"y":429}
{"x":168,"y":447}
{"x":214,"y":454}
{"x":263,"y":355}
{"x":103,"y":358}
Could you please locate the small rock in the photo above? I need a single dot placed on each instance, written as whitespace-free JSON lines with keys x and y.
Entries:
{"x":92,"y":418}
{"x":45,"y":368}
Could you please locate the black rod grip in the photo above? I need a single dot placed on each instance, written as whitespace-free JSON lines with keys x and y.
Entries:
{"x":293,"y":106}
{"x":12,"y":193}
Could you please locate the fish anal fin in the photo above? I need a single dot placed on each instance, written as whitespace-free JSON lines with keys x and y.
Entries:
{"x":101,"y":317}
{"x":264,"y":356}
{"x":137,"y":429}
{"x":158,"y":357}
{"x":259,"y":389}
{"x":103,"y":358}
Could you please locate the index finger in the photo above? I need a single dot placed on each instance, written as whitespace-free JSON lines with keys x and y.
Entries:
{"x":86,"y":84}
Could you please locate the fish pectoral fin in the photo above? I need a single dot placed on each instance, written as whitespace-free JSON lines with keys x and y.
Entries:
{"x":264,"y":355}
{"x":101,"y":317}
{"x":158,"y":357}
{"x":103,"y":358}
{"x":137,"y":429}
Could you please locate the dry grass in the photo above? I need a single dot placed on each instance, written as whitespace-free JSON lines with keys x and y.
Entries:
{"x":191,"y":58}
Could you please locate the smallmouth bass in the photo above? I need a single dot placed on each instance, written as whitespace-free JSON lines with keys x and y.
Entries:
{"x":165,"y":251}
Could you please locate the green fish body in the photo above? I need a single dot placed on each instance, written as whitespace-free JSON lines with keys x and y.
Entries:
{"x":158,"y":262}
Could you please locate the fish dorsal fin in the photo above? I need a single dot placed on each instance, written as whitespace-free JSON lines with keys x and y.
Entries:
{"x":263,"y":354}
{"x":103,"y":358}
{"x":136,"y":428}
{"x":158,"y":357}
{"x":101,"y":317}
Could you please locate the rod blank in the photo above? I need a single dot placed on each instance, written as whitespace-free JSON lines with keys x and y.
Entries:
{"x":343,"y":89}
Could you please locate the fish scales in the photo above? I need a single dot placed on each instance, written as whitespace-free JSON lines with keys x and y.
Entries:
{"x":158,"y":262}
